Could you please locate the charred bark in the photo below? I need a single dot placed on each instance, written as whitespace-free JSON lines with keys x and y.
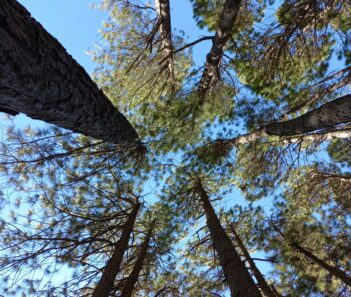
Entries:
{"x":134,"y":275}
{"x":266,"y":289}
{"x":225,"y":28}
{"x":236,"y":274}
{"x":106,"y":283}
{"x":40,"y":79}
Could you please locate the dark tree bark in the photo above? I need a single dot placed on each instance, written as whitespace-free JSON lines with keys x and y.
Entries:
{"x":134,"y":275}
{"x":236,"y":274}
{"x":106,"y":283}
{"x":333,"y":270}
{"x":327,"y":116}
{"x":225,"y":28}
{"x":164,"y":18}
{"x":315,"y":125}
{"x":266,"y":289}
{"x":40,"y":79}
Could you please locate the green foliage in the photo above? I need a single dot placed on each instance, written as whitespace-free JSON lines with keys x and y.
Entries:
{"x":68,"y":196}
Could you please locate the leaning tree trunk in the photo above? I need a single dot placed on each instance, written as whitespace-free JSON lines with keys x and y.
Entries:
{"x":333,"y":270}
{"x":224,"y":30}
{"x":40,"y":79}
{"x":266,"y":289}
{"x":106,"y":283}
{"x":315,"y":125}
{"x":134,"y":275}
{"x":236,"y":274}
{"x":327,"y":116}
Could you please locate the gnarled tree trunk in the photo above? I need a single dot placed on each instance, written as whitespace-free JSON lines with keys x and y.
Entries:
{"x":236,"y":274}
{"x":106,"y":283}
{"x":40,"y":79}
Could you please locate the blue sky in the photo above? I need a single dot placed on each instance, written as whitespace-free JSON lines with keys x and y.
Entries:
{"x":76,"y":25}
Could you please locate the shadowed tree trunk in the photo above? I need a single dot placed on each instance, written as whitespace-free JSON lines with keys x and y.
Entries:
{"x":106,"y":283}
{"x":327,"y":116}
{"x":236,"y":274}
{"x":315,"y":125}
{"x":40,"y":79}
{"x":266,"y":289}
{"x":333,"y":270}
{"x":224,"y":30}
{"x":164,"y":18}
{"x":134,"y":275}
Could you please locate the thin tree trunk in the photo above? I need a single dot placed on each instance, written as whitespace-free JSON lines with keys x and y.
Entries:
{"x":345,"y":79}
{"x":106,"y":283}
{"x":333,"y":270}
{"x":224,"y":30}
{"x":236,"y":274}
{"x":134,"y":275}
{"x":39,"y":78}
{"x":164,"y":16}
{"x":266,"y":289}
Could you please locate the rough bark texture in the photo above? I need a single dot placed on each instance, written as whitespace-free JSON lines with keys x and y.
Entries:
{"x":106,"y":283}
{"x":225,"y":28}
{"x":134,"y":275}
{"x":333,"y":270}
{"x":236,"y":274}
{"x":327,"y":116}
{"x":40,"y":79}
{"x":266,"y":289}
{"x":316,"y":125}
{"x":164,"y":16}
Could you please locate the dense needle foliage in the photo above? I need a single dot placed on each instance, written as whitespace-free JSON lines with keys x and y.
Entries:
{"x":229,"y":196}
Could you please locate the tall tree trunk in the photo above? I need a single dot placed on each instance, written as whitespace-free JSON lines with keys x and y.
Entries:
{"x":224,"y":30}
{"x":39,"y":78}
{"x":164,"y":18}
{"x":333,"y":270}
{"x":327,"y":116}
{"x":106,"y":283}
{"x":309,"y":126}
{"x":134,"y":275}
{"x":266,"y":289}
{"x":236,"y":274}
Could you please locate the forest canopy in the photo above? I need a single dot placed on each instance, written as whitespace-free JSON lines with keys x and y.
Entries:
{"x":238,"y":183}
